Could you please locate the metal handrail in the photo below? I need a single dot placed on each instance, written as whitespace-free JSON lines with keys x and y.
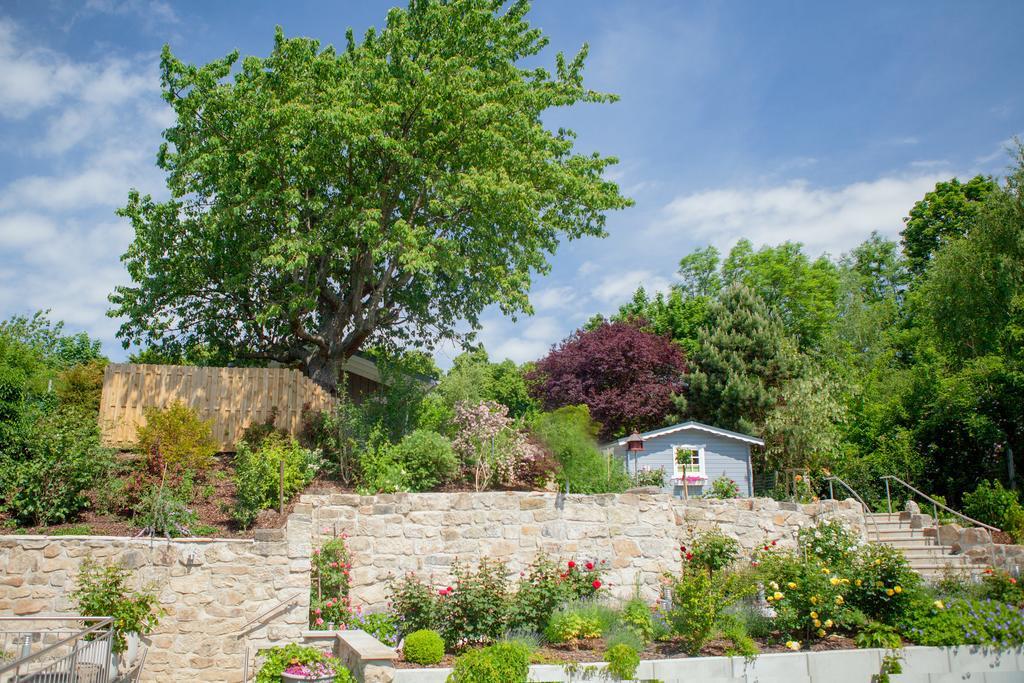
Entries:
{"x":268,"y":612}
{"x":104,"y":624}
{"x":864,"y":506}
{"x":935,"y":504}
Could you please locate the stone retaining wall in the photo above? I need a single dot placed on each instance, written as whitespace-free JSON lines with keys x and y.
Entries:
{"x":637,"y":535}
{"x":976,"y":543}
{"x":211,"y":589}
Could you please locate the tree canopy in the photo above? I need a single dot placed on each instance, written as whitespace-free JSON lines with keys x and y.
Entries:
{"x":323,"y":200}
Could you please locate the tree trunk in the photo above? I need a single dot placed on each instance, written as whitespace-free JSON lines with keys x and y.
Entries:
{"x":325,"y":372}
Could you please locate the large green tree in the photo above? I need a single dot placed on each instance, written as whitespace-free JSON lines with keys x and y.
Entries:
{"x":743,"y":363}
{"x":944,"y":213}
{"x":323,"y":200}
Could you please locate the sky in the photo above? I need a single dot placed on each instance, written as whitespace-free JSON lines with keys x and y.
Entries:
{"x":816,"y":122}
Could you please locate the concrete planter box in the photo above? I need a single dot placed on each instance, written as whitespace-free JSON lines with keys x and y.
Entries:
{"x":920,"y":665}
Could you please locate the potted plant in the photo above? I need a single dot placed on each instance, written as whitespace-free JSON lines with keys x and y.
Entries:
{"x":292,"y":663}
{"x":102,"y":591}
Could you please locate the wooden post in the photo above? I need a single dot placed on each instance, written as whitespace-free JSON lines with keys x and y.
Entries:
{"x":280,"y":490}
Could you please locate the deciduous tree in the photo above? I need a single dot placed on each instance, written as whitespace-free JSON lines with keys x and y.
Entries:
{"x":324,"y":200}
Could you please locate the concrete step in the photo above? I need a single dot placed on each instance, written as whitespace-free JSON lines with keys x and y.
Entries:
{"x":917,"y":552}
{"x":908,"y":541}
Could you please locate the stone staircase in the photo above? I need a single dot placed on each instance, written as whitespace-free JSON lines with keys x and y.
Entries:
{"x":915,"y":535}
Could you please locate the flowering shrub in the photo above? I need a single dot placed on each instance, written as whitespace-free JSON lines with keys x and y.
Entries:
{"x":970,"y":622}
{"x":997,"y":584}
{"x":713,"y":551}
{"x":830,"y":542}
{"x":723,"y":487}
{"x":490,"y":444}
{"x":413,"y":604}
{"x":807,"y":597}
{"x":380,"y":625}
{"x":884,"y":583}
{"x":329,"y":604}
{"x":647,"y":476}
{"x":474,"y":609}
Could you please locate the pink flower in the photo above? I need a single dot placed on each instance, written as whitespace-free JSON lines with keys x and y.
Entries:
{"x":319,"y":621}
{"x":316,"y":611}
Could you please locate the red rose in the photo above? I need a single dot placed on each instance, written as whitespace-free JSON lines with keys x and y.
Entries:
{"x":572,"y":565}
{"x":773,"y":542}
{"x":1013,"y":580}
{"x":596,"y":584}
{"x":590,"y":566}
{"x":689,"y":556}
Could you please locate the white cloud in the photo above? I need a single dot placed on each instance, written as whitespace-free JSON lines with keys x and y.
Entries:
{"x":553,"y":298}
{"x":31,"y":78}
{"x":615,"y":288}
{"x":532,"y":340}
{"x":23,"y":229}
{"x":824,"y":219}
{"x":103,"y":181}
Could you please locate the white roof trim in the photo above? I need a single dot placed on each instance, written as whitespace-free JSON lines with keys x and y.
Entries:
{"x":357,"y":365}
{"x":725,"y":433}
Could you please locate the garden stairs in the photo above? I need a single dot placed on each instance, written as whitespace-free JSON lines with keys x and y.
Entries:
{"x":919,"y":544}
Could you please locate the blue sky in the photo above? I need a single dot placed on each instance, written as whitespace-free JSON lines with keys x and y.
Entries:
{"x":809,"y":121}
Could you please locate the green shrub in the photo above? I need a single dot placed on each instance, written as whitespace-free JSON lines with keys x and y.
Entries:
{"x":329,"y":585}
{"x":183,"y":441}
{"x":699,"y":603}
{"x":992,"y":504}
{"x":427,"y":458}
{"x":713,"y":551}
{"x":808,"y":597}
{"x":423,"y":647}
{"x":623,"y":661}
{"x":277,"y":659}
{"x":876,"y":635}
{"x":571,"y":436}
{"x":830,"y":542}
{"x":504,"y":662}
{"x":567,"y":627}
{"x":102,"y":591}
{"x":541,"y":590}
{"x":413,"y":603}
{"x":884,"y":584}
{"x":997,"y":584}
{"x":740,"y":643}
{"x":380,"y":625}
{"x":257,"y":475}
{"x":475,"y":608}
{"x":724,"y":488}
{"x":162,"y":512}
{"x":380,"y":469}
{"x":636,"y":616}
{"x":63,"y":460}
{"x":963,"y":622}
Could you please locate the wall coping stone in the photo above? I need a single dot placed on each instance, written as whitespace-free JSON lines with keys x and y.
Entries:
{"x":128,"y":539}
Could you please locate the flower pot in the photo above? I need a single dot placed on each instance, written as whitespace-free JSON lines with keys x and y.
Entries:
{"x":131,"y":653}
{"x":292,"y":678}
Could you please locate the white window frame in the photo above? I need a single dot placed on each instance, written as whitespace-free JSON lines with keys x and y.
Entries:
{"x":679,"y":470}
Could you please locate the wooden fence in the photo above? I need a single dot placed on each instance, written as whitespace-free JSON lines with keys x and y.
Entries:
{"x":233,"y":398}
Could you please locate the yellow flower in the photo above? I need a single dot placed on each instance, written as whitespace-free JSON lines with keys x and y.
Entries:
{"x":777,"y":595}
{"x":769,"y":598}
{"x":791,"y":586}
{"x":814,"y":599}
{"x":858,"y":582}
{"x":898,"y":589}
{"x":839,"y":600}
{"x":845,"y":581}
{"x":774,"y":586}
{"x":821,"y":633}
{"x":793,"y":645}
{"x":878,"y":562}
{"x":890,"y":592}
{"x":834,"y":581}
{"x":817,"y":623}
{"x":828,"y":623}
{"x":939,"y":604}
{"x":824,"y":570}
{"x":814,"y":615}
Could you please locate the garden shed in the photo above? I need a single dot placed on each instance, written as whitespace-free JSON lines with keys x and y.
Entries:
{"x":690,"y":455}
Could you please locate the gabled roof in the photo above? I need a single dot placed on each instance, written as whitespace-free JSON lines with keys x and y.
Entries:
{"x":699,"y":426}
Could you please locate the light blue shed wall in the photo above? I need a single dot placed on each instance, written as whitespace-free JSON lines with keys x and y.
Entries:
{"x":722,"y":456}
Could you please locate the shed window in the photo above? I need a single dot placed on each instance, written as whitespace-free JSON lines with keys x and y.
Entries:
{"x":688,"y":461}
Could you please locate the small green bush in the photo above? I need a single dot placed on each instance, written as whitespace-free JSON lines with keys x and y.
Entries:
{"x":713,"y":551}
{"x":884,"y":585}
{"x":699,"y":604}
{"x":427,"y":458}
{"x":992,"y":504}
{"x":504,"y":662}
{"x":162,"y":512}
{"x":413,"y":603}
{"x":380,"y":469}
{"x":82,"y":385}
{"x":475,"y":608}
{"x":876,"y":635}
{"x":541,"y":591}
{"x":723,"y":488}
{"x":636,"y":616}
{"x":830,"y":542}
{"x":568,"y":627}
{"x":623,"y":661}
{"x":102,"y":591}
{"x":48,"y":485}
{"x":257,"y":475}
{"x":183,"y":441}
{"x":423,"y":647}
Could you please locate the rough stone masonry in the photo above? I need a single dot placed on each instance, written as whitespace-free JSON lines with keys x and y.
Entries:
{"x":225,"y":599}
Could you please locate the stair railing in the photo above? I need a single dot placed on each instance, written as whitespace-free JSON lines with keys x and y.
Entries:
{"x":863,"y":506}
{"x":935,"y":504}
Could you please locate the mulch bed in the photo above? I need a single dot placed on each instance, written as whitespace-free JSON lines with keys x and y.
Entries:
{"x":592,"y":651}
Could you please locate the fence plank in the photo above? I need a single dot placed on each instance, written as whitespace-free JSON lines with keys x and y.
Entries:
{"x":234,"y":398}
